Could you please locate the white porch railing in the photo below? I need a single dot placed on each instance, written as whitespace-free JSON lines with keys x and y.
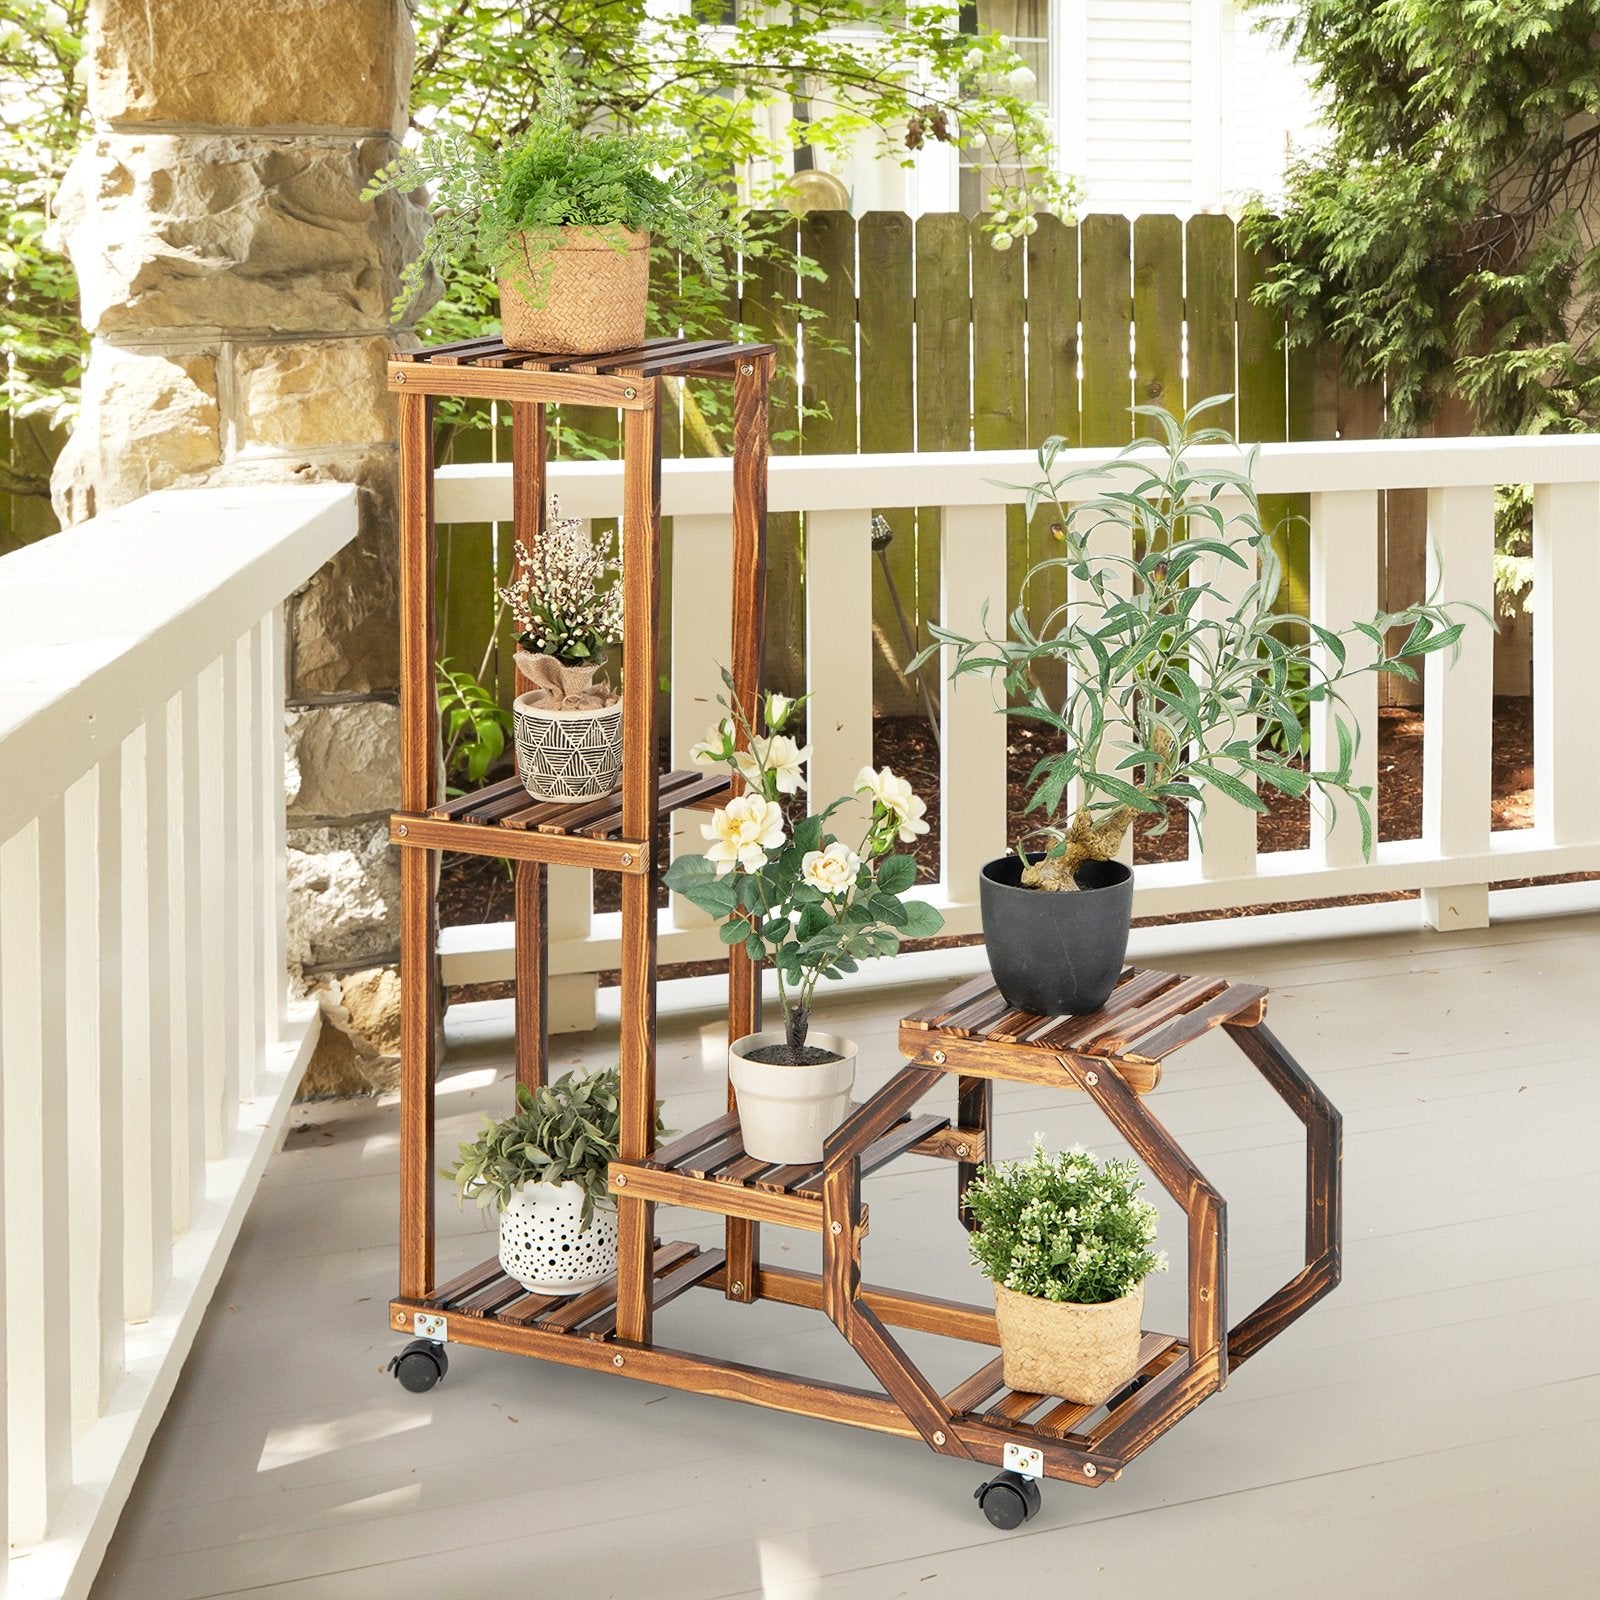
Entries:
{"x":149,"y":1059}
{"x":1453,"y":862}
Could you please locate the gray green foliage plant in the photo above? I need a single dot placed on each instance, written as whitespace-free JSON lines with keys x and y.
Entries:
{"x":1065,"y":1227}
{"x":1443,"y":238}
{"x":561,"y":1132}
{"x":1175,"y":689}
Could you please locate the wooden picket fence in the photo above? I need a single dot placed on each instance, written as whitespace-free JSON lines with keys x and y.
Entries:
{"x":924,"y":337}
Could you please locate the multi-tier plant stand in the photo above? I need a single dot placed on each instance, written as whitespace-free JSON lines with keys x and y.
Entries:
{"x":1114,"y":1056}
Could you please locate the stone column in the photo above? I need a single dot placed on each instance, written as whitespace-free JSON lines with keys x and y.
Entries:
{"x":238,"y":290}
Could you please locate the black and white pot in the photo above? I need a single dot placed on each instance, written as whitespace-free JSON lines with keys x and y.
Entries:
{"x":546,"y":1248}
{"x":1051,"y":953}
{"x":785,"y":1112}
{"x":567,"y":755}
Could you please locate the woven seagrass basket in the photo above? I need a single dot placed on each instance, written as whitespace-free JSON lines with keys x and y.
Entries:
{"x":1081,"y":1353}
{"x":593,"y":285}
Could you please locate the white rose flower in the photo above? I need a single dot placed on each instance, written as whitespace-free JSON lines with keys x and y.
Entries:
{"x":778,"y":708}
{"x":713,"y":750}
{"x":910,"y":817}
{"x":833,"y":870}
{"x":895,"y":795}
{"x":782,"y":758}
{"x":744,"y":831}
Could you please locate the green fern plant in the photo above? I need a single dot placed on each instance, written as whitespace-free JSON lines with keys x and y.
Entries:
{"x":475,"y":728}
{"x":502,"y":210}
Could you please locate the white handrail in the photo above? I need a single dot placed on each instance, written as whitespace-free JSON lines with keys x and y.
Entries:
{"x":148,"y":1053}
{"x":1453,"y":863}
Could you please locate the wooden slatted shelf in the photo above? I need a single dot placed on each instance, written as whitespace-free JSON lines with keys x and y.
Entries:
{"x":708,"y":1170}
{"x":486,"y":1293}
{"x":984,"y":1399}
{"x":1149,"y":1016}
{"x":505,"y":820}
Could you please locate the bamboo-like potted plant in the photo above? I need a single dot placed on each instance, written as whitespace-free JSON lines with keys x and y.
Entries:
{"x":1068,"y":1244}
{"x":813,"y":905}
{"x":1175,"y":691}
{"x":563,"y":219}
{"x":565,"y":600}
{"x":543,"y":1170}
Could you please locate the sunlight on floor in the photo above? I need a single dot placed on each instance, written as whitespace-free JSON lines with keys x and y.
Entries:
{"x":787,"y":1570}
{"x":285,"y":1447}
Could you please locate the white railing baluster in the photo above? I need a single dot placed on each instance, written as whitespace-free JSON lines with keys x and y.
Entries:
{"x":273,"y":957}
{"x":1566,"y":579}
{"x":1227,"y":840}
{"x":247,"y":847}
{"x":206,"y":850}
{"x":702,"y":643}
{"x":1344,"y":589}
{"x":38,"y":1168}
{"x":972,"y":732}
{"x":1458,"y":702}
{"x":839,"y":657}
{"x":185,"y":988}
{"x":226,"y":885}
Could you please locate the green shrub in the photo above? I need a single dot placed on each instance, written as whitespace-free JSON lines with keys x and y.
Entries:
{"x":1064,"y":1227}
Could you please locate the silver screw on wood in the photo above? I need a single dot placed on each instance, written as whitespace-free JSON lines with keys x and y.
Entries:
{"x":1091,"y":1078}
{"x":630,"y":393}
{"x":1089,"y":1468}
{"x":938,"y":1056}
{"x":938,"y":1438}
{"x":616,"y":1361}
{"x":963,"y":1149}
{"x":747,"y":369}
{"x":401,"y":830}
{"x":835,"y":1227}
{"x":627,"y":859}
{"x":399,"y":377}
{"x":738,"y":1288}
{"x":621,"y":1180}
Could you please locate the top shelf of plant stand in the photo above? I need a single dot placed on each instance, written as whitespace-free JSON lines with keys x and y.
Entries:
{"x":486,"y":368}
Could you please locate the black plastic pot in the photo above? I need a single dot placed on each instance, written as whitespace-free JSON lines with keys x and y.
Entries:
{"x":1051,"y":953}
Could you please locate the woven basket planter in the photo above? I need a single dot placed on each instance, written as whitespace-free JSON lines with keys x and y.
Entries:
{"x":1081,"y":1353}
{"x":594,"y":285}
{"x":567,"y":755}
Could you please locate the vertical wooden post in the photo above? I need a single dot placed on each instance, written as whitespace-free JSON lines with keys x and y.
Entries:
{"x":751,"y":385}
{"x":641,"y":581}
{"x":974,"y":1105}
{"x":419,"y":737}
{"x":529,"y":452}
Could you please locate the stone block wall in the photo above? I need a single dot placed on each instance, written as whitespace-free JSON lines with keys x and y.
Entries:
{"x":237,"y":288}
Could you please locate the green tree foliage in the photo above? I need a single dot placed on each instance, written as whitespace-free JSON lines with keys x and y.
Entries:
{"x":1444,"y":239}
{"x":42,"y":119}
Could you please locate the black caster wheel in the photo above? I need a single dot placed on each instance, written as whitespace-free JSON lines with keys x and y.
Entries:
{"x":1127,"y":1391}
{"x":420,"y":1365}
{"x":1008,"y":1499}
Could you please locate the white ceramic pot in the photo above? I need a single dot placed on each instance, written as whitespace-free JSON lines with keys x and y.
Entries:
{"x":546,"y":1248}
{"x":786,"y":1112}
{"x":567,"y":755}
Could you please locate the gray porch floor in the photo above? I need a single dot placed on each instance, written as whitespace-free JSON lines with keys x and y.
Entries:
{"x":1432,"y":1429}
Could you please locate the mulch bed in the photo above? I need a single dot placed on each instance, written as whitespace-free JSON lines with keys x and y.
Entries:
{"x":477,"y":889}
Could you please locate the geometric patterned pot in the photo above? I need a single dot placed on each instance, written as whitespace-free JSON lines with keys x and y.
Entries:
{"x":568,"y":755}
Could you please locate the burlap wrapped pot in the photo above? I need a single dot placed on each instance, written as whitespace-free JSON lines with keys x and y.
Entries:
{"x":1081,"y":1353}
{"x":584,"y":296}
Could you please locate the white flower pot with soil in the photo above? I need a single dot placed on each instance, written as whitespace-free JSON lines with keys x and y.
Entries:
{"x":787,"y":1110}
{"x":545,"y":1246}
{"x":1083,"y":1353}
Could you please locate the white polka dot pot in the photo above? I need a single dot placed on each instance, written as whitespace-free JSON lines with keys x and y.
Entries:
{"x":546,"y":1248}
{"x":568,"y":755}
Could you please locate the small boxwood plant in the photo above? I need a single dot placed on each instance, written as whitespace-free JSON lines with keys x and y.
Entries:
{"x":561,"y":1132}
{"x":1064,"y":1227}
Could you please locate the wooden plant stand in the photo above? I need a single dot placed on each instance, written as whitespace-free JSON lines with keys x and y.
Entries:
{"x":1115,"y":1056}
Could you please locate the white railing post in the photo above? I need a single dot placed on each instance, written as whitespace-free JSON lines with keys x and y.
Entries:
{"x":1566,"y":580}
{"x":702,"y":643}
{"x":839,"y":657}
{"x":1227,"y":841}
{"x":1344,"y":589}
{"x":206,"y":849}
{"x":273,"y":932}
{"x":972,"y":733}
{"x":186,"y":1007}
{"x":250,"y":837}
{"x":1458,"y":705}
{"x":38,"y":1171}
